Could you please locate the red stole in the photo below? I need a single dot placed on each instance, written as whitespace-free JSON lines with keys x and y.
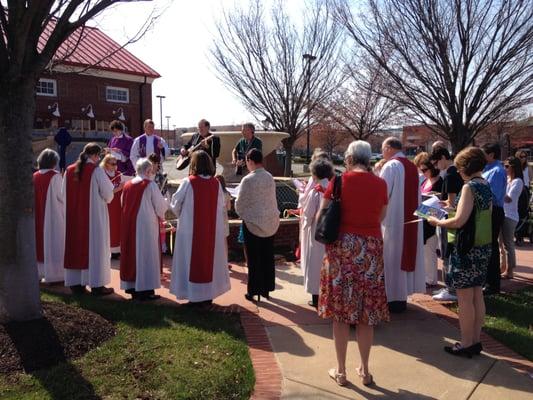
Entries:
{"x":115,"y":209}
{"x":131,"y":201}
{"x":41,"y":182}
{"x":410,"y":204}
{"x":204,"y":228}
{"x":77,"y":217}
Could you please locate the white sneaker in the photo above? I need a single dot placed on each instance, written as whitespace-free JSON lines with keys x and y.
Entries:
{"x":445,"y":295}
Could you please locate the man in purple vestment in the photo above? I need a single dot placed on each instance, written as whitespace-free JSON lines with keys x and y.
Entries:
{"x":120,"y":144}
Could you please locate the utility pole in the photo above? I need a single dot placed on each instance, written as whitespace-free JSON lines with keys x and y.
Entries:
{"x":161,"y":110}
{"x":309,"y":58}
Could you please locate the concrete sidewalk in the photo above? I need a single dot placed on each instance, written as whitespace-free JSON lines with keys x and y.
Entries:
{"x":407,"y":360}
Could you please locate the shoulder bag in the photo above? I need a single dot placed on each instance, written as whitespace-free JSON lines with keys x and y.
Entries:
{"x":329,"y":220}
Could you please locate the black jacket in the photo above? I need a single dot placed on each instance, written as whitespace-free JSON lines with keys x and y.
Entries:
{"x":213,"y":148}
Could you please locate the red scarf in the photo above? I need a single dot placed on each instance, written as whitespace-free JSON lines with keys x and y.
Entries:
{"x":41,"y":183}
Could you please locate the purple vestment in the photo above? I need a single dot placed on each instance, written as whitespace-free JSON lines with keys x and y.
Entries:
{"x":123,"y":143}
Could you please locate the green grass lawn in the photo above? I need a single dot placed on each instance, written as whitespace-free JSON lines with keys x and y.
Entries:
{"x":159,"y":352}
{"x":510,"y":320}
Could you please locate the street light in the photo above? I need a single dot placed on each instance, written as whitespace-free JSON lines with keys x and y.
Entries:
{"x":161,"y":110}
{"x":309,"y":58}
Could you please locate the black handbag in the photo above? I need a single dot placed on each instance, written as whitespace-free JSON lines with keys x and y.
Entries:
{"x":466,"y":235}
{"x":329,"y":220}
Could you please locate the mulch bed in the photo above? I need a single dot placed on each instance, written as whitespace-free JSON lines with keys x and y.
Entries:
{"x":64,"y":333}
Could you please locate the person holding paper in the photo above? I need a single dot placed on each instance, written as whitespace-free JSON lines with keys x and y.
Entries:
{"x":467,"y":270}
{"x":403,"y":240}
{"x":119,"y":146}
{"x":432,"y":183}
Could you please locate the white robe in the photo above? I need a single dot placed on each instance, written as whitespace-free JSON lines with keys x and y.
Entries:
{"x":182,"y":205}
{"x":53,"y":233}
{"x":147,"y":251}
{"x":398,"y":283}
{"x":312,"y":252}
{"x":98,"y":272}
{"x":135,"y":149}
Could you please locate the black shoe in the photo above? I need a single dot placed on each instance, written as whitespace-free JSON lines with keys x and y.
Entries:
{"x":457,"y":350}
{"x":250,"y":297}
{"x":489,"y":291}
{"x":149,"y":297}
{"x":102,"y":291}
{"x":115,"y":256}
{"x":266,"y":295}
{"x":397,"y":307}
{"x":314,"y":301}
{"x":476,"y":348}
{"x":78,"y":289}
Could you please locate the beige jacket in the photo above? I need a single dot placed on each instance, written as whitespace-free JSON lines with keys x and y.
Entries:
{"x":256,"y":203}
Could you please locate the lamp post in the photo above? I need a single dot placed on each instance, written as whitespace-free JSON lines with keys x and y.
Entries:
{"x":309,"y":58}
{"x":161,"y":110}
{"x":168,"y":122}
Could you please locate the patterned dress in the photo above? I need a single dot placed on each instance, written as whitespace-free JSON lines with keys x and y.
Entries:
{"x":352,"y":284}
{"x":470,"y":270}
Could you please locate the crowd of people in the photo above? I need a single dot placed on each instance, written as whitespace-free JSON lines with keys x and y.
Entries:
{"x":115,"y":207}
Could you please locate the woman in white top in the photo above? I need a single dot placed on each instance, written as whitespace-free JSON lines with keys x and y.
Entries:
{"x":515,"y":184}
{"x":313,"y":251}
{"x":522,"y":230}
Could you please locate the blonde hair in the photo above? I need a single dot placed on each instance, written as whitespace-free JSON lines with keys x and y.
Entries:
{"x":421,"y":158}
{"x":106,"y":159}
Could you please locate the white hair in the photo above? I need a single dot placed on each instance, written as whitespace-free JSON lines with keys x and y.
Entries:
{"x":359,"y":151}
{"x":142,"y":165}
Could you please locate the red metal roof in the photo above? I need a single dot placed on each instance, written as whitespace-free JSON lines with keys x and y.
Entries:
{"x":97,"y":50}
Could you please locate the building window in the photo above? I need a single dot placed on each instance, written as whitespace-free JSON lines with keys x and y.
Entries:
{"x":46,"y":87}
{"x":117,"y":95}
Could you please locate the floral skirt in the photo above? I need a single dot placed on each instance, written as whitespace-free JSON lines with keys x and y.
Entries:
{"x":352,"y":284}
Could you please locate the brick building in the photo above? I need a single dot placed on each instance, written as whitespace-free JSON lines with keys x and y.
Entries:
{"x":511,"y":136}
{"x":91,"y":82}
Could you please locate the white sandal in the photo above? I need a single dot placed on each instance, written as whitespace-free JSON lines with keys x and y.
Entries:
{"x":337,"y":377}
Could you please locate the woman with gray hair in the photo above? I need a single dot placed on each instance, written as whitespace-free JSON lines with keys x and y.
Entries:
{"x":140,"y":255}
{"x":49,"y":217}
{"x":312,"y":252}
{"x":352,"y":286}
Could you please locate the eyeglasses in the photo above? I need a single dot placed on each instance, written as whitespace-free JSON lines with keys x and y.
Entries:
{"x":111,"y":163}
{"x":523,"y":156}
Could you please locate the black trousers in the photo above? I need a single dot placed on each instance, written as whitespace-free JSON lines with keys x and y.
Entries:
{"x":493,"y":270}
{"x":260,"y":260}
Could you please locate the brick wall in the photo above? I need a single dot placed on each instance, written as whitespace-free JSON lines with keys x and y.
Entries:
{"x":285,"y":240}
{"x":77,"y":91}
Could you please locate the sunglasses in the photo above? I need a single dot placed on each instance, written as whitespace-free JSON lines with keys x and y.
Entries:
{"x":424,"y":170}
{"x":507,"y":166}
{"x":523,"y":156}
{"x":111,"y":163}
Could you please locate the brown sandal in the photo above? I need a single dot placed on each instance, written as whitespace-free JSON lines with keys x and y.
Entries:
{"x":337,"y":377}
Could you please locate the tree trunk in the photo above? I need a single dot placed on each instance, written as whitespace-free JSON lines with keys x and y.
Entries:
{"x":288,"y":159}
{"x":460,"y":137}
{"x":19,"y":283}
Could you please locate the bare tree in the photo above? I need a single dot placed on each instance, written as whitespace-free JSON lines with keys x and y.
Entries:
{"x":22,"y":61}
{"x":260,"y":60}
{"x":328,"y":136}
{"x":456,"y":66}
{"x":358,"y":107}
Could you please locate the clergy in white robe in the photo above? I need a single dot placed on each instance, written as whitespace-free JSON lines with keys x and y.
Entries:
{"x":312,"y":252}
{"x":200,"y":261}
{"x":402,"y":243}
{"x":140,"y":259}
{"x":87,"y":243}
{"x":49,"y":218}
